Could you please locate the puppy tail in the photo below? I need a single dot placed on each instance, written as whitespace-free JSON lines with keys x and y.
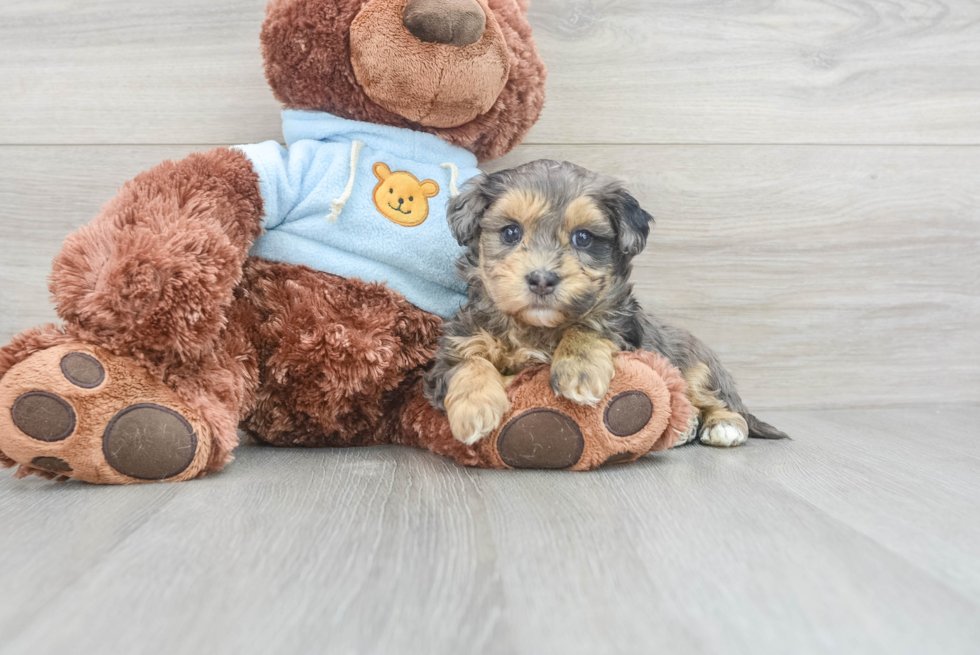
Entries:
{"x":761,"y":430}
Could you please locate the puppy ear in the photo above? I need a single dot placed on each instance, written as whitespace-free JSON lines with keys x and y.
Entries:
{"x":632,"y":222}
{"x":466,"y":210}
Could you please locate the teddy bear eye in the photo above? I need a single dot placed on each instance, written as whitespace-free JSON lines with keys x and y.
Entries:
{"x":391,"y":190}
{"x":511,"y":234}
{"x":411,"y":198}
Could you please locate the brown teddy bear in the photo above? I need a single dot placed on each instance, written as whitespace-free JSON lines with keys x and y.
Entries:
{"x":298,"y":293}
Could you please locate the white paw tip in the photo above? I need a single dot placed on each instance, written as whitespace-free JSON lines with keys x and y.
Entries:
{"x":586,"y":400}
{"x":585,"y":396}
{"x":688,"y":435}
{"x":470,"y":440}
{"x":723,"y":435}
{"x":477,"y":435}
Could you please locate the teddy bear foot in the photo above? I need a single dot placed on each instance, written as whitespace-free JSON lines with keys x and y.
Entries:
{"x":75,"y":411}
{"x":644,"y":410}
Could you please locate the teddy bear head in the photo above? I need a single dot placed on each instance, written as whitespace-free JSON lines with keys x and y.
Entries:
{"x":464,"y":70}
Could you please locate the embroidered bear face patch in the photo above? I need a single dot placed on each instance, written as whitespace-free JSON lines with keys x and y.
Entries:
{"x":401,"y":198}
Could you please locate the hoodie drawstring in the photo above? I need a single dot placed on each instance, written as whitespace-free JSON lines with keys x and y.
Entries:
{"x":341,"y":202}
{"x":454,"y":178}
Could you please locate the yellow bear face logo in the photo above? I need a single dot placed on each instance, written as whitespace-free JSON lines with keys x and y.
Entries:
{"x":401,"y":198}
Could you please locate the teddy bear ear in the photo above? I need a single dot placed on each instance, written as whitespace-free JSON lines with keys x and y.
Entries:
{"x":381,"y":171}
{"x":430,"y":189}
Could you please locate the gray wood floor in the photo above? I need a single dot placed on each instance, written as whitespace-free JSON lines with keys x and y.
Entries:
{"x":813,"y":167}
{"x":860,"y":536}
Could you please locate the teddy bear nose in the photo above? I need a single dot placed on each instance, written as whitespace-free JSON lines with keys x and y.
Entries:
{"x":449,"y":22}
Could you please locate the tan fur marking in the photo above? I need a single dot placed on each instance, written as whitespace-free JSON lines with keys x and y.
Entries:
{"x":522,"y":206}
{"x":584,"y":213}
{"x":507,"y":285}
{"x":583,"y":367}
{"x":712,"y":409}
{"x":477,"y":400}
{"x":508,"y":359}
{"x":577,"y":280}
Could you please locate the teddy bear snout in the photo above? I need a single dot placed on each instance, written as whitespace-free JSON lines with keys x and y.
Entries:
{"x":449,"y":22}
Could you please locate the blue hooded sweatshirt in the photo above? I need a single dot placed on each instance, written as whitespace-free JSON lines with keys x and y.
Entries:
{"x":364,"y":201}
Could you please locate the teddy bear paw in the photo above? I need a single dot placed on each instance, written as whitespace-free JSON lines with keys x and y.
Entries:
{"x":640,"y":412}
{"x":75,"y":411}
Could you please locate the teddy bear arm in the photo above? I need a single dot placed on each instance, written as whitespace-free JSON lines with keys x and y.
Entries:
{"x":157,"y":268}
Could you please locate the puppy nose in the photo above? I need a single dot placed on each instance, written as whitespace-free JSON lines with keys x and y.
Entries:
{"x":450,"y":22}
{"x":543,"y":283}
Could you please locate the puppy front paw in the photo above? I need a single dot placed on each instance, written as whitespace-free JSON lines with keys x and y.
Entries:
{"x":476,"y":402}
{"x":473,"y":419}
{"x":583,"y":379}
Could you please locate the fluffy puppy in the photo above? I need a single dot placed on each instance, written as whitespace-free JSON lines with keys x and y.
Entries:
{"x":550,"y":250}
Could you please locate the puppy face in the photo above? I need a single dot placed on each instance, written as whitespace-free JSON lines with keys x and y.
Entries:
{"x":549,"y":241}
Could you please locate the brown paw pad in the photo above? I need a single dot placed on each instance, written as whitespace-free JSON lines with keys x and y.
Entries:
{"x":541,"y":439}
{"x":43,"y":416}
{"x":82,"y":370}
{"x":149,"y":442}
{"x":628,"y":413}
{"x":52,"y":465}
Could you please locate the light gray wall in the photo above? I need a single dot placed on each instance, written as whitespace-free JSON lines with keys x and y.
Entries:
{"x":814,"y":167}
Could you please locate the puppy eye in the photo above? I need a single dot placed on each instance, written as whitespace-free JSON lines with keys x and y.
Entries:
{"x":583,"y":239}
{"x":511,"y":234}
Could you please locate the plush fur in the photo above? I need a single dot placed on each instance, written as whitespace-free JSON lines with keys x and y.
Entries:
{"x":309,"y":66}
{"x":452,"y":86}
{"x":335,"y":354}
{"x":155,"y":272}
